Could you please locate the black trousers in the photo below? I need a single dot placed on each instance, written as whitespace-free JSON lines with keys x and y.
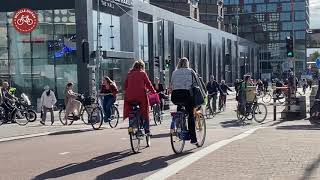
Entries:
{"x":182,"y":96}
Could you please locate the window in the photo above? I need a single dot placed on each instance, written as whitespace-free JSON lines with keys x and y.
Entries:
{"x":299,"y":6}
{"x":259,"y":37}
{"x":259,"y":17}
{"x":299,"y":25}
{"x":300,"y":15}
{"x":248,"y":1}
{"x":261,"y":8}
{"x":273,"y":0}
{"x":272,"y":27}
{"x":274,"y":17}
{"x":286,"y":26}
{"x":285,"y":17}
{"x":247,"y":8}
{"x":143,"y":41}
{"x":259,"y":1}
{"x":272,"y":7}
{"x":300,"y":34}
{"x":274,"y":36}
{"x":286,"y":6}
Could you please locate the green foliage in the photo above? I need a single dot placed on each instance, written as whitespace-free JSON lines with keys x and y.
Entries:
{"x":314,"y":56}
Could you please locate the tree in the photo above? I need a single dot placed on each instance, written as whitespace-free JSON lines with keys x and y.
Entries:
{"x":314,"y":56}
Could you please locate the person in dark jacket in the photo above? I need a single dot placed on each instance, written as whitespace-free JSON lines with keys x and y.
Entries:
{"x":213,"y":88}
{"x":265,"y":85}
{"x":158,"y":86}
{"x":223,"y":93}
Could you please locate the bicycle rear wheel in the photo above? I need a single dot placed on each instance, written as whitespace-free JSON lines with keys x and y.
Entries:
{"x":201,"y":130}
{"x":260,"y":112}
{"x":114,"y":119}
{"x":96,"y":118}
{"x":62,"y":113}
{"x":176,"y":137}
{"x":21,"y":121}
{"x":31,"y":115}
{"x":315,"y":114}
{"x":135,"y":141}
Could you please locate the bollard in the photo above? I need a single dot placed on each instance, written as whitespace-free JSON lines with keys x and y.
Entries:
{"x":274,"y":108}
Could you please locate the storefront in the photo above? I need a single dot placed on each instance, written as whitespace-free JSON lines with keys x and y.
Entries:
{"x":52,"y":53}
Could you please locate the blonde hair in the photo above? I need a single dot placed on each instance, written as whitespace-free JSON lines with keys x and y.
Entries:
{"x":138,"y":65}
{"x":183,"y":63}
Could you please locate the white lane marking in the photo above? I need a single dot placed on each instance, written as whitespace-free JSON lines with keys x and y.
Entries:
{"x":64,"y":153}
{"x":36,"y":135}
{"x":124,"y":138}
{"x":185,"y":162}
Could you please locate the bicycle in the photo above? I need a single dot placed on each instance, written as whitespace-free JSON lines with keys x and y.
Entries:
{"x":136,"y":126}
{"x":11,"y":114}
{"x":97,"y":116}
{"x":86,"y":103}
{"x":222,"y":102}
{"x":179,"y":132}
{"x":208,"y":110}
{"x":156,"y":111}
{"x":315,"y":113}
{"x":252,"y":111}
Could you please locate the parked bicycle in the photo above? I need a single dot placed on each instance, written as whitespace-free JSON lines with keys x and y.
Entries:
{"x":254,"y":110}
{"x":179,"y":132}
{"x":86,"y":103}
{"x":97,"y":115}
{"x":136,"y":126}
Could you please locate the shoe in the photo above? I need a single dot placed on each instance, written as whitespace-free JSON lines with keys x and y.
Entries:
{"x":194,"y":142}
{"x":52,"y":123}
{"x":41,"y":122}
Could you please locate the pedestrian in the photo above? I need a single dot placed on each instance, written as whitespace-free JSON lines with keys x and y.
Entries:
{"x":136,"y":85}
{"x":109,"y":92}
{"x":265,"y":85}
{"x":71,"y":102}
{"x":48,"y":100}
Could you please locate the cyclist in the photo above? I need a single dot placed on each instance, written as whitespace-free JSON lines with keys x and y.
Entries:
{"x":160,"y":90}
{"x":136,"y":86}
{"x":109,"y":92}
{"x":265,"y":85}
{"x":242,"y":92}
{"x":181,"y":84}
{"x":71,"y":102}
{"x":7,"y":98}
{"x":304,"y":85}
{"x":213,"y":88}
{"x":260,"y":86}
{"x":223,"y":94}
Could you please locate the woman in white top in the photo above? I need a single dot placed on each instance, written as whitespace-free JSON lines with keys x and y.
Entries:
{"x":48,"y":100}
{"x":181,"y":83}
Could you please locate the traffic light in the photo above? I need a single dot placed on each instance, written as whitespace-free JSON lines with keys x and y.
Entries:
{"x":168,"y":63}
{"x":156,"y":61}
{"x":289,"y":45}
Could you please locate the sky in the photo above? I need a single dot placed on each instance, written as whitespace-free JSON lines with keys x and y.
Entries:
{"x":314,"y":14}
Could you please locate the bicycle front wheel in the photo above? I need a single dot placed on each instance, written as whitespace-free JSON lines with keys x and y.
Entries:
{"x":96,"y":118}
{"x":260,"y":112}
{"x":135,"y":142}
{"x":62,"y":113}
{"x":266,"y":98}
{"x":201,"y":130}
{"x":114,"y":119}
{"x":85,"y":116}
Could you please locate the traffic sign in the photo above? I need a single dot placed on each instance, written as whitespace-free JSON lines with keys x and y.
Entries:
{"x":318,"y":62}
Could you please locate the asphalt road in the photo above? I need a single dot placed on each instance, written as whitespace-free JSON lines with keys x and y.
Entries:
{"x":273,"y":150}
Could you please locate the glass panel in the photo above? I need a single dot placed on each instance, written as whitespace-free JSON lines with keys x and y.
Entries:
{"x":300,"y":15}
{"x":272,"y":7}
{"x":261,"y":8}
{"x":285,"y":17}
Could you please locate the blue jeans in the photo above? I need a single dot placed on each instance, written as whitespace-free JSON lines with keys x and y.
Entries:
{"x":107,"y":103}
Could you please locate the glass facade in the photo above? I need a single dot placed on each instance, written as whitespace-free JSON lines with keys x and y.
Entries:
{"x":268,"y":23}
{"x":46,"y":56}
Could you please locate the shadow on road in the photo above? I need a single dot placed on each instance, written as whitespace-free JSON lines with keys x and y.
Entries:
{"x":164,"y":135}
{"x":70,"y":132}
{"x":311,"y":168}
{"x":138,"y":167}
{"x":84,"y":166}
{"x":232,"y":123}
{"x":298,"y":127}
